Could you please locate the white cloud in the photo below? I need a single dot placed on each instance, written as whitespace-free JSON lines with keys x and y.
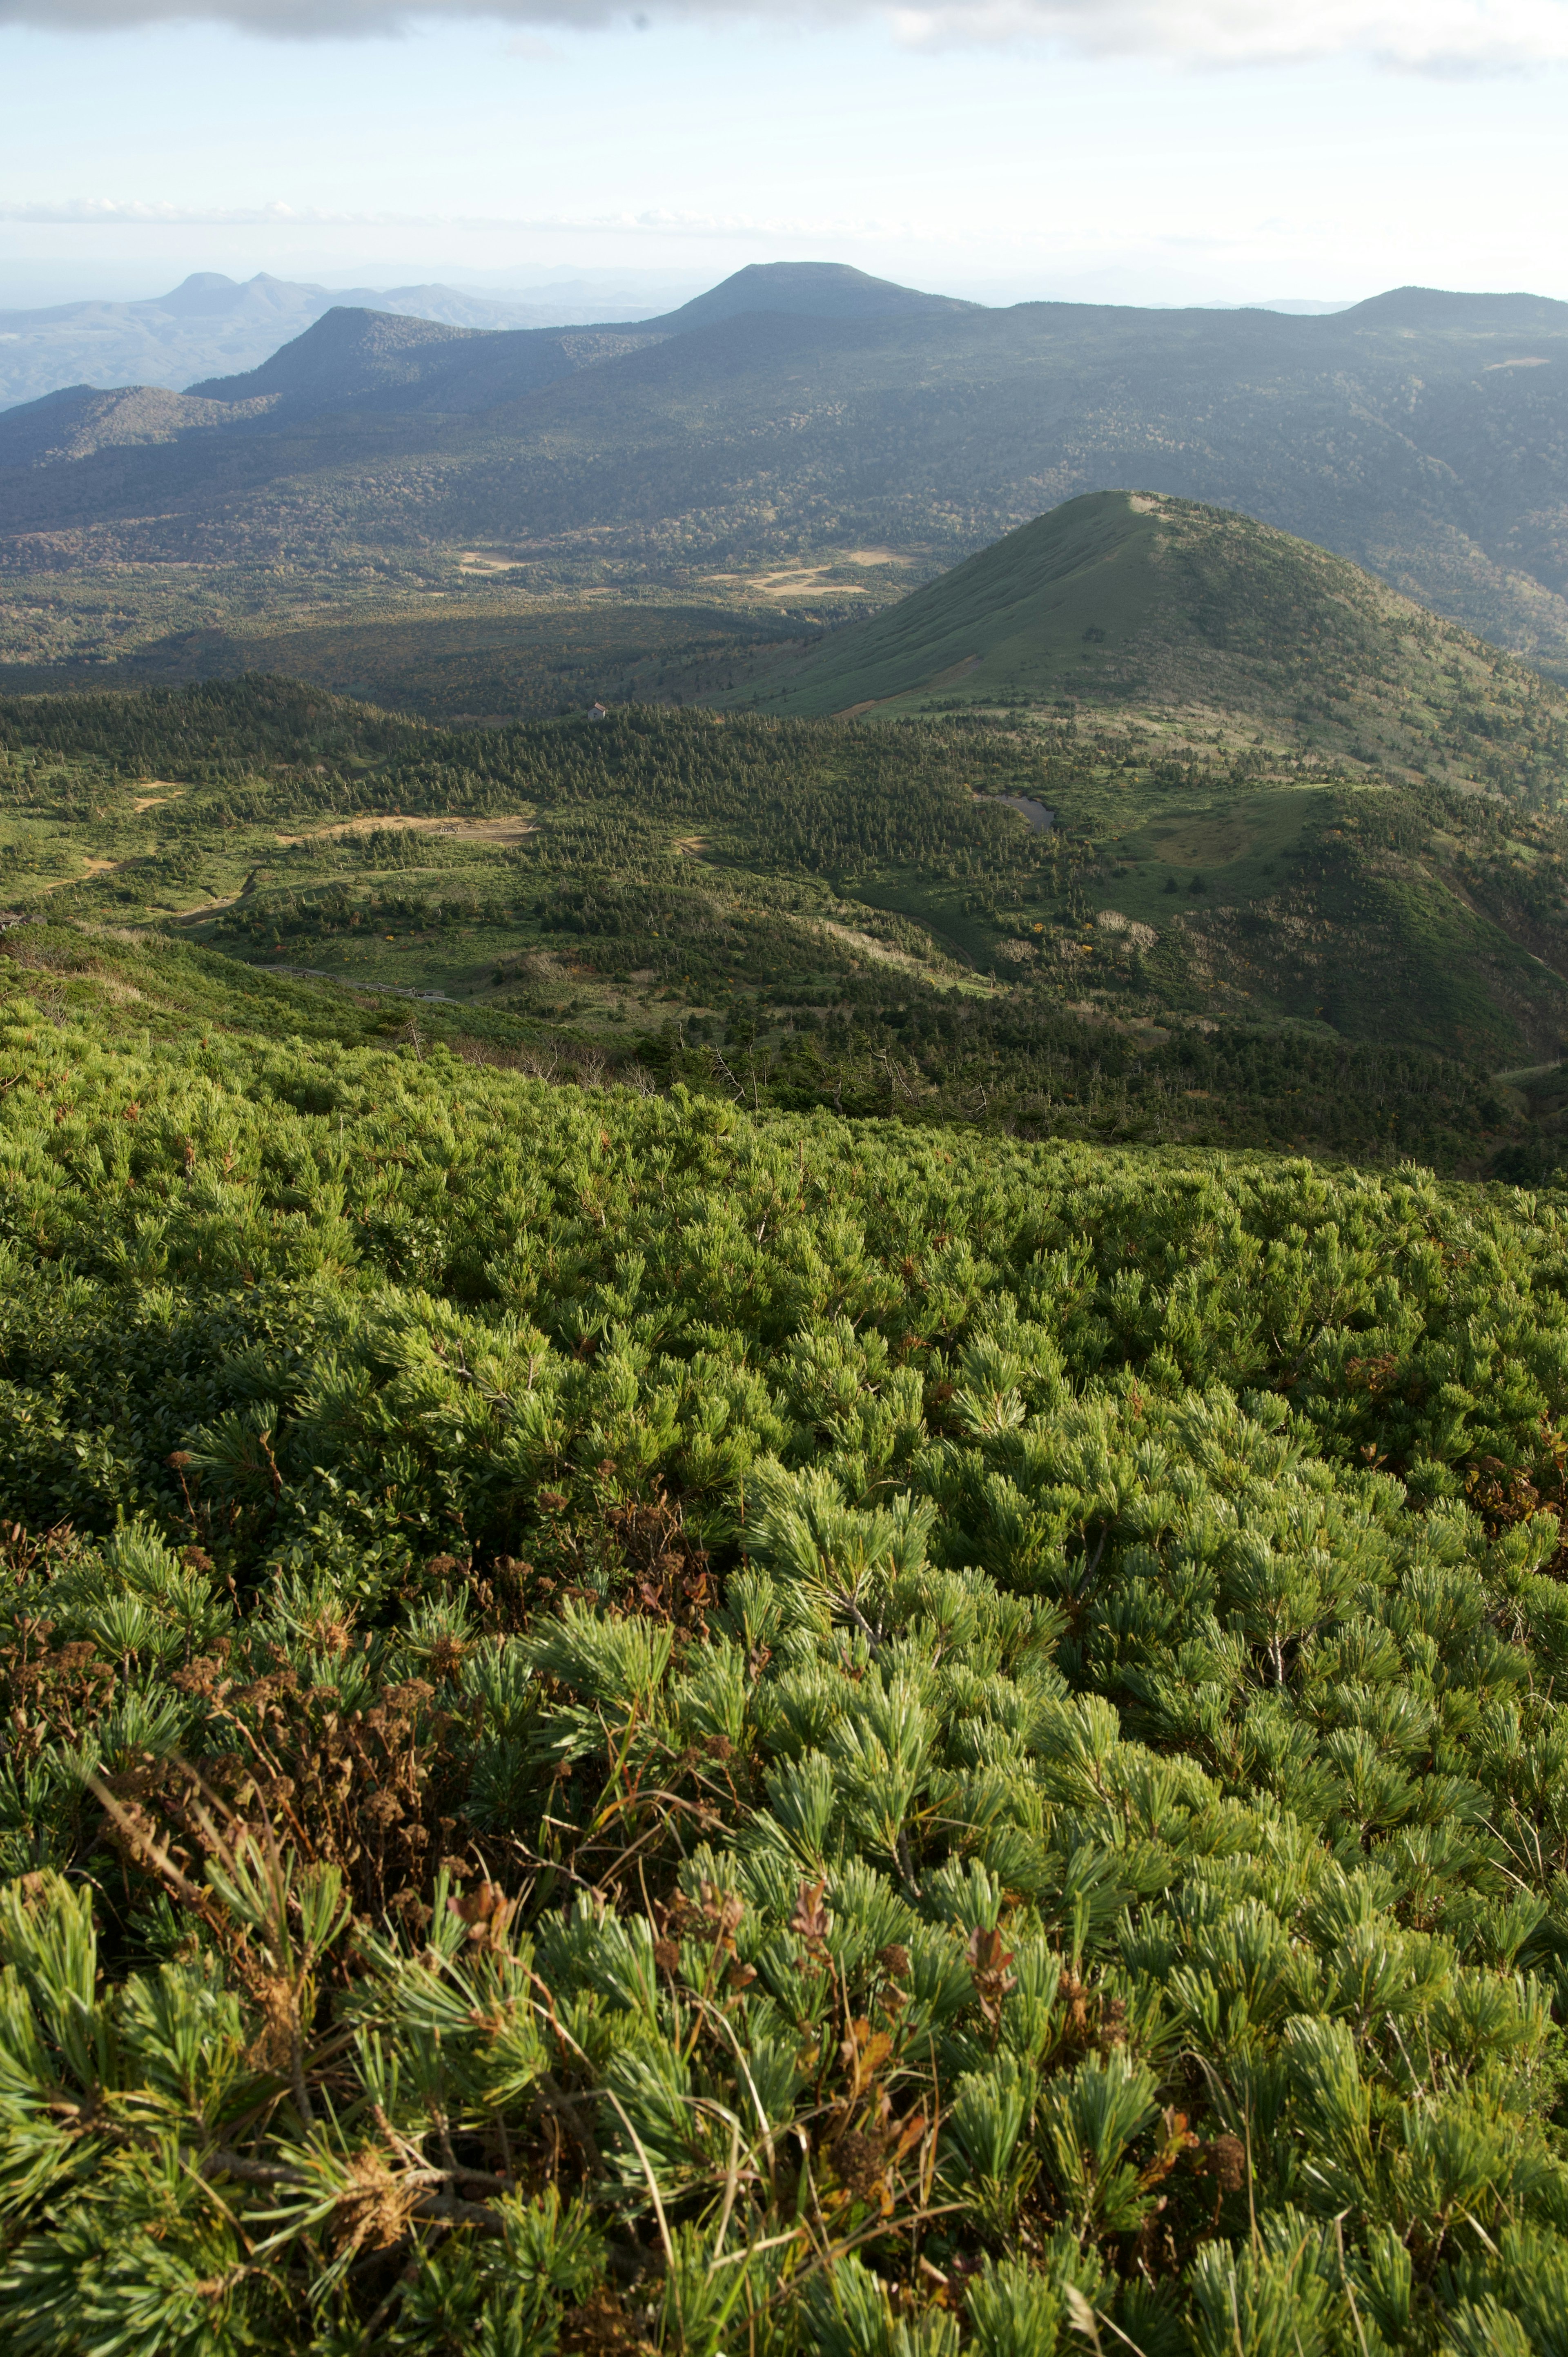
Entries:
{"x":114,"y":212}
{"x":1434,"y":36}
{"x":1416,"y":35}
{"x":132,"y":212}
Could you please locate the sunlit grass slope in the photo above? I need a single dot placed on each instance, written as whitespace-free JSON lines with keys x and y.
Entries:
{"x":1013,"y":616}
{"x":1124,"y":599}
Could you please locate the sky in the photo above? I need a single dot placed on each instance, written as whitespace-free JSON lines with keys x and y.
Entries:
{"x":1145,"y":151}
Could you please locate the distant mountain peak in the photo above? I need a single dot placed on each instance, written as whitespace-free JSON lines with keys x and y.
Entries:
{"x":816,"y":290}
{"x":344,"y":352}
{"x":1439,"y":307}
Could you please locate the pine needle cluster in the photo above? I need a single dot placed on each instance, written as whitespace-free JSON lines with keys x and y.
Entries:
{"x":629,"y":1727}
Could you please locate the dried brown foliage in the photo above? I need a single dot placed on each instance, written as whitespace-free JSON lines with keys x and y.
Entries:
{"x":988,"y":1957}
{"x":52,"y":1693}
{"x":371,"y":1792}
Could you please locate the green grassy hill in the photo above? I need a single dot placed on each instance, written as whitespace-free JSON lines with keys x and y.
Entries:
{"x":1056,"y":608}
{"x":1126,"y":600}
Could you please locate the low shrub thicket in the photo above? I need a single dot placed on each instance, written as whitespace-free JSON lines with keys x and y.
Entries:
{"x":633,"y":1727}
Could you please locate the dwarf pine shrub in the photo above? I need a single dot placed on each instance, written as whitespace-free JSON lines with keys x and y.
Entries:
{"x":789,"y":1736}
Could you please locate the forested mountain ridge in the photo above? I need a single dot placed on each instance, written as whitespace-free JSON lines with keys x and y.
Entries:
{"x":360,"y":358}
{"x":362,"y":361}
{"x":925,"y":429}
{"x":421,"y":368}
{"x":209,"y":323}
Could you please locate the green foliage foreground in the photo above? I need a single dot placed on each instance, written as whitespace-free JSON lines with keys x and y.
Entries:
{"x":629,"y":1727}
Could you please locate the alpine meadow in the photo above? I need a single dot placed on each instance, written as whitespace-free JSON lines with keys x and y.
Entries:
{"x":784,"y":1331}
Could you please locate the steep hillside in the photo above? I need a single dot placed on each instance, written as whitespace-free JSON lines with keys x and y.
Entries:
{"x":1125,"y":599}
{"x":1425,"y":435}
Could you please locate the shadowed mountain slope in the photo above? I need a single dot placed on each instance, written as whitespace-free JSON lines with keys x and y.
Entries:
{"x":1423,"y":435}
{"x":346,"y":350}
{"x":209,"y":325}
{"x":398,"y":363}
{"x":367,"y":360}
{"x":78,"y":421}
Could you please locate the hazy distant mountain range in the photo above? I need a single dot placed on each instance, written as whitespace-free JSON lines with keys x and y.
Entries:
{"x":211,"y":325}
{"x":802,"y":408}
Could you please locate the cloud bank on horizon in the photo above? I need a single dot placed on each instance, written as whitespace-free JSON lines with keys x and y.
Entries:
{"x":1433,"y":35}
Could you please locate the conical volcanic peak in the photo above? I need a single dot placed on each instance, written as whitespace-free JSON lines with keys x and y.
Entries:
{"x":816,"y":290}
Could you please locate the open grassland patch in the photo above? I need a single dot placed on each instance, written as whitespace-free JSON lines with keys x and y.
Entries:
{"x":1208,"y":841}
{"x":499,"y":831}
